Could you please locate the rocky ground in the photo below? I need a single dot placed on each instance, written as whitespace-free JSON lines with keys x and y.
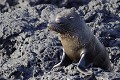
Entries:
{"x":28,"y":50}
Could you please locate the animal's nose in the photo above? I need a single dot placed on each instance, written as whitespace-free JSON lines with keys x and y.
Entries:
{"x":50,"y":24}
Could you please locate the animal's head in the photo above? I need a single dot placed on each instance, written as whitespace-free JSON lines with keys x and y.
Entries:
{"x":65,"y":21}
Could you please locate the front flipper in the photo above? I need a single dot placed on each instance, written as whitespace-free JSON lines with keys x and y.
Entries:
{"x":64,"y":62}
{"x":83,"y":66}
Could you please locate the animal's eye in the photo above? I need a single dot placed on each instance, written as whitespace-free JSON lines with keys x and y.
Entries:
{"x":71,"y":18}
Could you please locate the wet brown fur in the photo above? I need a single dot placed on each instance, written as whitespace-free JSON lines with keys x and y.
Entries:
{"x":76,"y":35}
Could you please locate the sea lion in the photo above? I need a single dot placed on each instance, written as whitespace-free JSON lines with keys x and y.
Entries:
{"x":79,"y":42}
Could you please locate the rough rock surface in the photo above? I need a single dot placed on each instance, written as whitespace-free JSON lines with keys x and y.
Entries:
{"x":28,"y":50}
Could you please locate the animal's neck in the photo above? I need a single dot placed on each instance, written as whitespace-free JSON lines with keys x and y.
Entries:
{"x":66,"y":35}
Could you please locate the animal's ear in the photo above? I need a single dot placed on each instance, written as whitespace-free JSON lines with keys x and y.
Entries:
{"x":73,"y":9}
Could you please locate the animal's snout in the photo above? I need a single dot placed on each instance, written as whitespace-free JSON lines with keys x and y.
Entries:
{"x":52,"y":26}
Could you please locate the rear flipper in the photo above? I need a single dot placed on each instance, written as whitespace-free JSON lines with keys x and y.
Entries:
{"x":103,"y":61}
{"x":64,"y":62}
{"x":82,"y":65}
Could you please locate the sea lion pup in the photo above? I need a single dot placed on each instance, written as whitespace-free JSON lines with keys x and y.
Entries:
{"x":79,"y":43}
